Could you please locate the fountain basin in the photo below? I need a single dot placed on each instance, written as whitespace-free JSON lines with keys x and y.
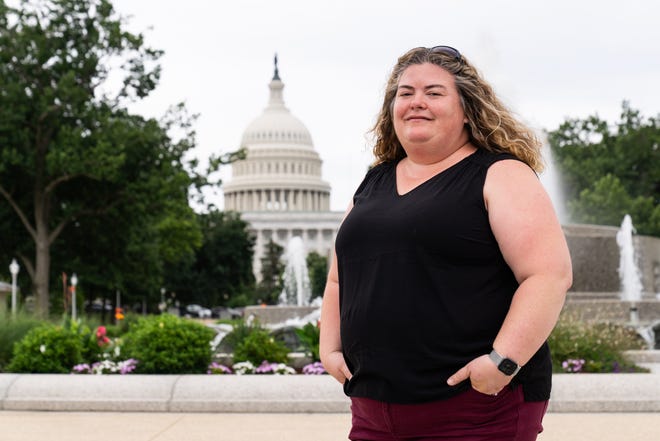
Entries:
{"x":271,"y":315}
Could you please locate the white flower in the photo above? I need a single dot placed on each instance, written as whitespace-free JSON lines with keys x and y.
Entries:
{"x":42,"y":349}
{"x":244,"y":367}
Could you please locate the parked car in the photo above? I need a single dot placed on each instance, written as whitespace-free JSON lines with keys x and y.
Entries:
{"x":223,"y":312}
{"x":197,"y":311}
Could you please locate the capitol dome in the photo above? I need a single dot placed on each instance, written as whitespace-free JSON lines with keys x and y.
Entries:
{"x":276,"y":125}
{"x":281,"y":171}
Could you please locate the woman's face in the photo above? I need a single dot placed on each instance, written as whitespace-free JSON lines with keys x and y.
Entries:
{"x":427,"y":109}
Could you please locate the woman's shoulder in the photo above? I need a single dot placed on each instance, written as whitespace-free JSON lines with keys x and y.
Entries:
{"x":488,"y":158}
{"x":379,"y":169}
{"x":376,"y":173}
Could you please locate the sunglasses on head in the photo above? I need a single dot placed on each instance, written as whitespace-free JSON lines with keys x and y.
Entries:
{"x":446,"y":50}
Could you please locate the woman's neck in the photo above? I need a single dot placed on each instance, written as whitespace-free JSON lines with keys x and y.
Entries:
{"x":419,"y":165}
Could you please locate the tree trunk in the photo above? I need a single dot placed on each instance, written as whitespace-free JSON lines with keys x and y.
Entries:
{"x":41,"y":272}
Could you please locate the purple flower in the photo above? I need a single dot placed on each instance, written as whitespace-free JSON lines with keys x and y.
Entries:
{"x":82,"y":368}
{"x":572,"y":365}
{"x":315,"y":368}
{"x":217,"y":368}
{"x":265,"y":368}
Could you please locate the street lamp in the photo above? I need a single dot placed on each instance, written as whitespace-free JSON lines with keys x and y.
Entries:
{"x":74,"y":283}
{"x":13,"y":269}
{"x":162,"y":304}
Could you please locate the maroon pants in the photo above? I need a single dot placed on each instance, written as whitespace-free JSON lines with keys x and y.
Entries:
{"x":470,"y":416}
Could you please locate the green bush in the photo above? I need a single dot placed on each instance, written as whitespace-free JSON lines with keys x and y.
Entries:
{"x":258,"y":346}
{"x":12,"y":330}
{"x":600,"y":345}
{"x":165,"y":344}
{"x":239,"y":333}
{"x":47,"y":349}
{"x":309,"y":335}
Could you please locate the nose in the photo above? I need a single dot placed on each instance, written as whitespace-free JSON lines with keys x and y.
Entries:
{"x":417,"y":101}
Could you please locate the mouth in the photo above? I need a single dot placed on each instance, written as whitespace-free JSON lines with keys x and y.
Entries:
{"x":417,"y":118}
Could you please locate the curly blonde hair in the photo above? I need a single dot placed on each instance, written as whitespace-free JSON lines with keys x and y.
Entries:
{"x":491,"y":125}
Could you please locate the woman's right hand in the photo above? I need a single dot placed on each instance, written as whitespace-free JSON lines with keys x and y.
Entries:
{"x":335,"y":365}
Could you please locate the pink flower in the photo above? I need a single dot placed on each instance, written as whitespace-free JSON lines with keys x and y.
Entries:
{"x":101,"y":337}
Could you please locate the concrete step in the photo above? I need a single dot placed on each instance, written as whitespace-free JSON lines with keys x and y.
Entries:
{"x":266,"y":393}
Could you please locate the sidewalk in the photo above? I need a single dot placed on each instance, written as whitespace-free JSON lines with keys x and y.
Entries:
{"x":156,"y":426}
{"x":51,"y":407}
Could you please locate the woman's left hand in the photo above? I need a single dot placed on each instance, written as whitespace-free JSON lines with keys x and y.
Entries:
{"x":484,"y":376}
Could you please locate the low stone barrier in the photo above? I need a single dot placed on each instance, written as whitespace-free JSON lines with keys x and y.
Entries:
{"x":267,"y":393}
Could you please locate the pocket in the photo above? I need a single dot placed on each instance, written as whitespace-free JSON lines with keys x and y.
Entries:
{"x":347,"y":386}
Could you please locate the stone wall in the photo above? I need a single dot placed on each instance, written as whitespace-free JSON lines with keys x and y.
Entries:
{"x":595,"y":256}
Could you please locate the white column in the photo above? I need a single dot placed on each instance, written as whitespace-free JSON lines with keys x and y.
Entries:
{"x":319,"y":241}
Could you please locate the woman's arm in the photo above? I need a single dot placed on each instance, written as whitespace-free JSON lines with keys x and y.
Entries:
{"x":532,"y":242}
{"x":330,"y":341}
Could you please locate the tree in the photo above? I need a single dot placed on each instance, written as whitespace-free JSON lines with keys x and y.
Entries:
{"x":220,"y":272}
{"x":272,"y":269}
{"x":75,"y":163}
{"x":317,"y":267}
{"x":609,"y":171}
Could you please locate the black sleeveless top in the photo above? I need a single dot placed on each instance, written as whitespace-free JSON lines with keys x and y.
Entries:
{"x":423,"y":286}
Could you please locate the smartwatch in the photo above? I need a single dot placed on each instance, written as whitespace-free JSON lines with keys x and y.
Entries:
{"x":505,"y":365}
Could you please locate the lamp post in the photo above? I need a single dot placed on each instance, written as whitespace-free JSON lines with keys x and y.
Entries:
{"x":13,"y":269}
{"x":74,"y":283}
{"x":162,"y":304}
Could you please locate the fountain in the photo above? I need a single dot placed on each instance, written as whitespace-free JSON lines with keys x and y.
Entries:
{"x":294,"y":310}
{"x":613,"y":281}
{"x":631,"y":283}
{"x":296,"y":290}
{"x":295,"y":306}
{"x":551,"y":181}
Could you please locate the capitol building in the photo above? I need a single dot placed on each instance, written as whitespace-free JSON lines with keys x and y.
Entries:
{"x":278,"y":187}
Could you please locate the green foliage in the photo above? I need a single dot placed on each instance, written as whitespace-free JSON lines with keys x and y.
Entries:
{"x":251,"y":342}
{"x":600,"y":345}
{"x":83,"y":182}
{"x":47,"y":349}
{"x":309,"y":336}
{"x":240,"y":332}
{"x":90,"y":350}
{"x":166,"y":344}
{"x":258,"y":346}
{"x":270,"y":287}
{"x":12,"y":330}
{"x":220,"y":271}
{"x":611,"y":170}
{"x":317,"y":267}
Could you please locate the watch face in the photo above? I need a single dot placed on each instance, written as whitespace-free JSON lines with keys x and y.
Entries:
{"x":507,"y":366}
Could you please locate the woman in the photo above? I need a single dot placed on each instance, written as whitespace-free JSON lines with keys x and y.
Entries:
{"x":450,"y":267}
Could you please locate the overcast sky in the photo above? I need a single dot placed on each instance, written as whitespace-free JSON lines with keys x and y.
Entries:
{"x":546,"y":60}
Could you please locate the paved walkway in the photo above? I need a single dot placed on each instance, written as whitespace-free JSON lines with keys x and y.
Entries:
{"x":133,"y":426}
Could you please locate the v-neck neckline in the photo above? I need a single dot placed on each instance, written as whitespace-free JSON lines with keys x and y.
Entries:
{"x":429,"y":179}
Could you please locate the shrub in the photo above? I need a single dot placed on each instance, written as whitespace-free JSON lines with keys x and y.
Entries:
{"x":90,"y":349}
{"x":258,"y":346}
{"x":12,"y":330}
{"x":577,"y":346}
{"x":165,"y":344}
{"x":239,"y":333}
{"x":47,"y":349}
{"x":309,"y":336}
